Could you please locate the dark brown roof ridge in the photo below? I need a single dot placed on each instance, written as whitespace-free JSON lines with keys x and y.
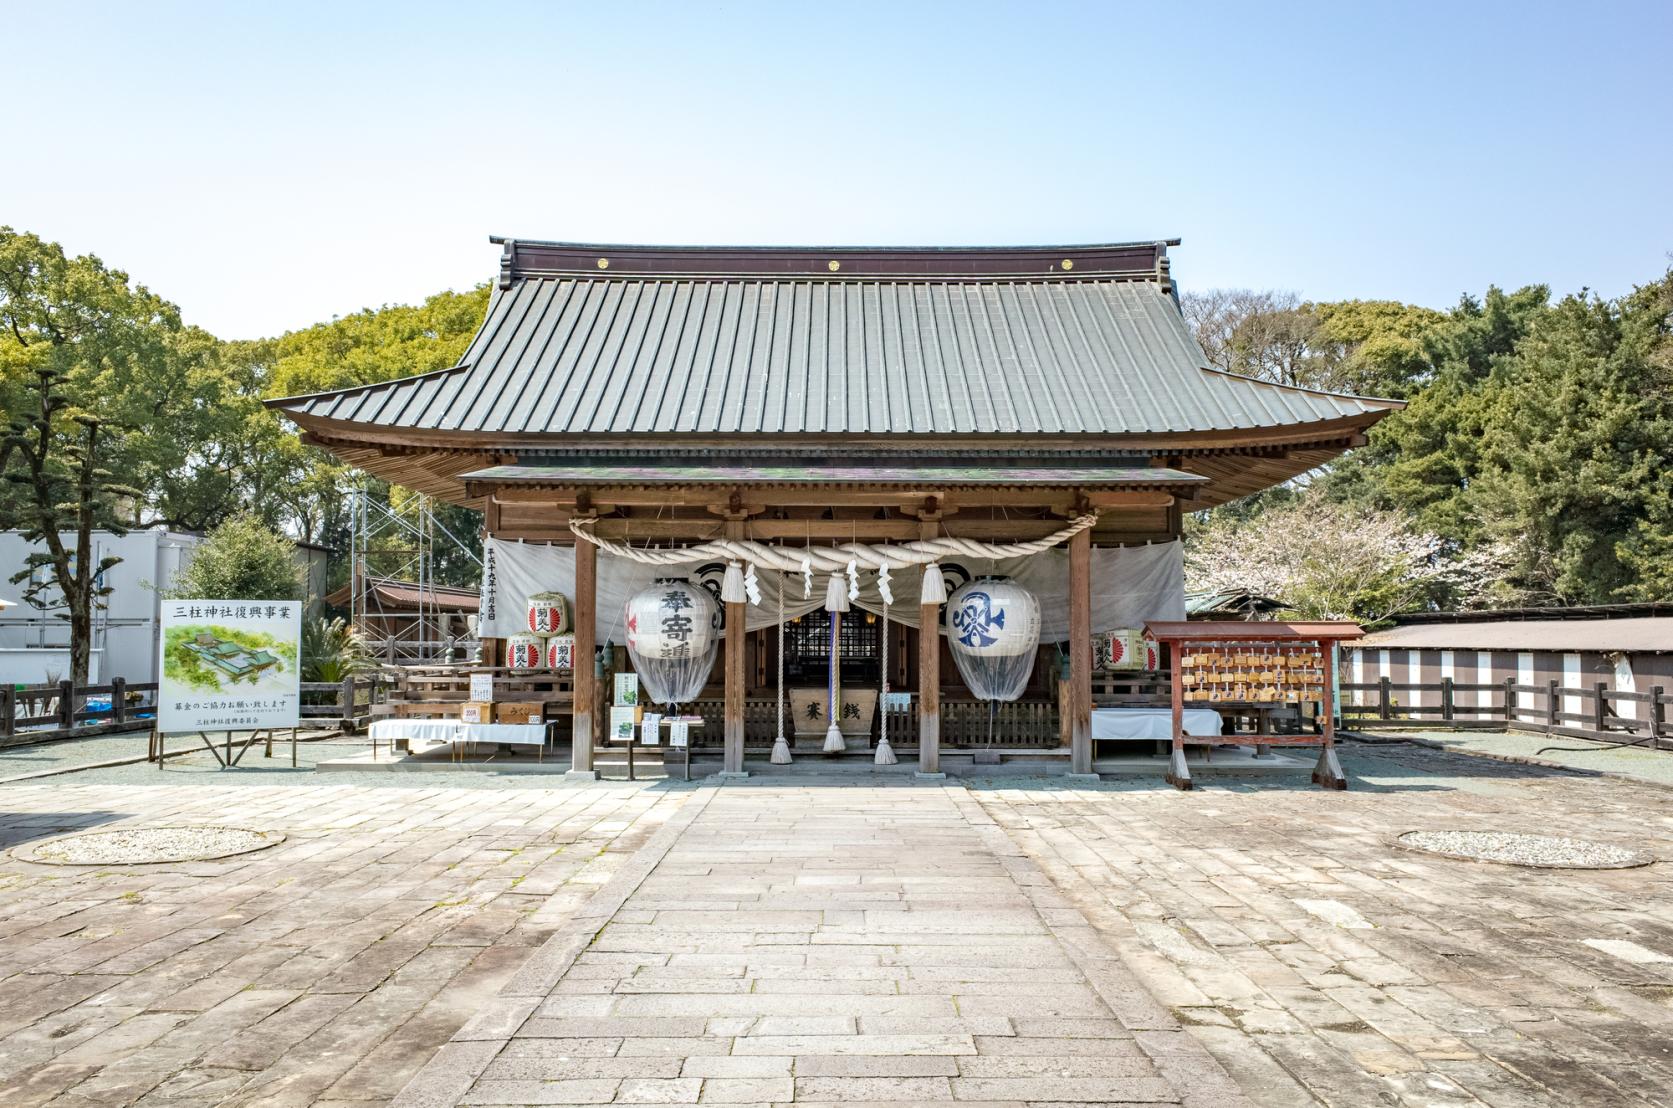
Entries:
{"x":1147,"y":260}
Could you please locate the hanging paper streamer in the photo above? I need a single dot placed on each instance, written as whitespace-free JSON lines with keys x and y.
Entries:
{"x":995,"y":629}
{"x":883,"y":588}
{"x":732,"y":587}
{"x":752,"y":586}
{"x":853,"y":581}
{"x":935,"y":586}
{"x":672,"y":639}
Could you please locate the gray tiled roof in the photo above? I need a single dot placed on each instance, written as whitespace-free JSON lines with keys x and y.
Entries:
{"x":574,"y":354}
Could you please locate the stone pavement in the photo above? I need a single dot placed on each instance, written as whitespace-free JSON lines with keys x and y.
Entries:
{"x":325,"y":970}
{"x":826,"y":944}
{"x":1320,"y":963}
{"x":1014,"y":941}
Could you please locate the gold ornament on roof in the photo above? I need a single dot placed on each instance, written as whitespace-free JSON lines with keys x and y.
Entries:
{"x":604,"y":263}
{"x":833,"y":265}
{"x":1068,"y":263}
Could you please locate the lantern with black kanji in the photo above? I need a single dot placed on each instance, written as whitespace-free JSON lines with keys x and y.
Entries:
{"x":673,"y":633}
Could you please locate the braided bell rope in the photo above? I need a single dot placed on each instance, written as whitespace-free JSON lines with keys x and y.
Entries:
{"x":830,"y":559}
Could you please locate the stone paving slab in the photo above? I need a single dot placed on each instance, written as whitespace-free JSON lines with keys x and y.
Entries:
{"x":327,"y":969}
{"x":736,"y":965}
{"x":1322,"y":964}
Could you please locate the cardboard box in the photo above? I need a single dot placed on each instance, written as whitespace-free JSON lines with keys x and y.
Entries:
{"x":476,"y":711}
{"x":520,"y":711}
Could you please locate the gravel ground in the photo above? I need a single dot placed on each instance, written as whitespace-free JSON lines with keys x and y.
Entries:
{"x":138,"y":846}
{"x":1525,"y":850}
{"x":46,"y":757}
{"x":1647,"y":765}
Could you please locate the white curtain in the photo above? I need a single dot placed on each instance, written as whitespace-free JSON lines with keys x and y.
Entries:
{"x":1129,"y":585}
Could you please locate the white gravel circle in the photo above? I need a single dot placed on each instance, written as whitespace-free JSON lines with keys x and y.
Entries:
{"x":139,"y":846}
{"x":1513,"y":849}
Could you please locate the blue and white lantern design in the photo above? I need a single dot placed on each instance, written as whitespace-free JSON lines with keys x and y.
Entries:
{"x":994,"y":629}
{"x":672,"y":637}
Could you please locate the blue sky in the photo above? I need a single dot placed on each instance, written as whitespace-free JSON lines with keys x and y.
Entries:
{"x":269,"y":166}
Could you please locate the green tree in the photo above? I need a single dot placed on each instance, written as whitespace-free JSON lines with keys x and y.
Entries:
{"x":1423,"y":461}
{"x":1577,"y":447}
{"x":88,"y":365}
{"x":242,"y":559}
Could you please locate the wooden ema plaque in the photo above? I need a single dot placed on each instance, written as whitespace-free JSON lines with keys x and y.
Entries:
{"x":1256,"y":664}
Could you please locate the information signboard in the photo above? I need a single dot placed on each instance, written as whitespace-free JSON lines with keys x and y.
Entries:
{"x":230,"y":665}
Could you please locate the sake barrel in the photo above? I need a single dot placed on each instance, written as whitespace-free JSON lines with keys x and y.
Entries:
{"x":1126,"y":648}
{"x":993,"y":617}
{"x":524,"y":651}
{"x":560,"y":652}
{"x":672,"y":619}
{"x":549,"y":614}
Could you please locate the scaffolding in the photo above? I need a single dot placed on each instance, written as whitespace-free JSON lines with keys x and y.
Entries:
{"x":390,"y":550}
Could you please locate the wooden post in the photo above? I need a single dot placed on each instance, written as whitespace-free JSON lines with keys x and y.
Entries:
{"x":1179,"y":772}
{"x":1600,"y":706}
{"x":1657,"y":713}
{"x":1080,"y":651}
{"x":1384,"y":695}
{"x":732,"y":763}
{"x":586,"y":683}
{"x":66,"y":704}
{"x":345,"y":702}
{"x":1328,"y":771}
{"x":1510,"y":701}
{"x":929,"y":678}
{"x":8,"y":711}
{"x":119,"y":700}
{"x":1551,"y":705}
{"x":1446,"y":699}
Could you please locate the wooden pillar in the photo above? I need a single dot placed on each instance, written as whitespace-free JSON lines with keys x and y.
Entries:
{"x":733,"y":645}
{"x":585,"y":683}
{"x":929,"y":677}
{"x":1328,"y":771}
{"x":1179,"y":771}
{"x":1080,"y":652}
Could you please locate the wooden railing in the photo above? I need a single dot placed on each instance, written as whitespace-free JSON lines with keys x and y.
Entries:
{"x":1603,"y":714}
{"x":35,"y":713}
{"x":964,"y":723}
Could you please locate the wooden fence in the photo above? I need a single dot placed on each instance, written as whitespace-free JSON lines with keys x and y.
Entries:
{"x":43,"y":713}
{"x":33,"y":713}
{"x":1604,"y":715}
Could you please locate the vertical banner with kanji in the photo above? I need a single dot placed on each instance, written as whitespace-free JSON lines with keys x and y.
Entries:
{"x":230,"y":665}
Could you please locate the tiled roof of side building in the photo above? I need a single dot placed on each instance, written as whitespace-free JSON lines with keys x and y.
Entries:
{"x":889,"y":341}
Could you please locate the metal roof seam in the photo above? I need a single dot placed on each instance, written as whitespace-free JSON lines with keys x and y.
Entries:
{"x":622,"y":370}
{"x":1008,"y":374}
{"x":1102,"y":312}
{"x":509,"y":378}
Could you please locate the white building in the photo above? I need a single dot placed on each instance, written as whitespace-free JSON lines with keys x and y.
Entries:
{"x":34,"y":642}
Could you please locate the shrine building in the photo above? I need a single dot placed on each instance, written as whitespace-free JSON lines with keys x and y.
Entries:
{"x":839,"y":420}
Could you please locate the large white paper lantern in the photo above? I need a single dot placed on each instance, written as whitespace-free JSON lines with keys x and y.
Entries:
{"x":524,"y":651}
{"x":560,"y":652}
{"x":672,"y":635}
{"x":994,"y":628}
{"x":549,"y":614}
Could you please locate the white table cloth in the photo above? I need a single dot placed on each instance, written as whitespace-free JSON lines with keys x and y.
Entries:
{"x":1151,"y":723}
{"x":453,"y":731}
{"x":424,"y":730}
{"x":505,"y":734}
